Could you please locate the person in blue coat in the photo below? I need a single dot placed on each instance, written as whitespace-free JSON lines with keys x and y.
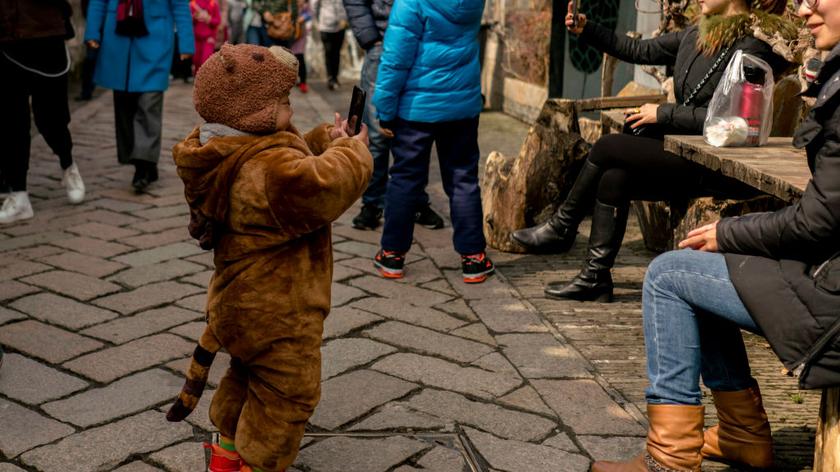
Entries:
{"x":136,"y":67}
{"x":428,"y":92}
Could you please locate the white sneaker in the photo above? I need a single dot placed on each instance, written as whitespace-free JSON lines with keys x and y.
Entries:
{"x":16,"y":207}
{"x":72,"y":181}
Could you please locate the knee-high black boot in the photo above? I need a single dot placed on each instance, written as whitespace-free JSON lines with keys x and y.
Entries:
{"x":594,"y":282}
{"x":558,"y":233}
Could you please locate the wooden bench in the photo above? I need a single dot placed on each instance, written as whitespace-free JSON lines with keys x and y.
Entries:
{"x":780,"y":170}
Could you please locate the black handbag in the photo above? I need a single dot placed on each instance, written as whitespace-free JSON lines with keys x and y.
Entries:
{"x":658,"y":130}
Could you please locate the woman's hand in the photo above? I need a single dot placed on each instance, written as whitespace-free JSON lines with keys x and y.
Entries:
{"x":93,"y":44}
{"x":570,"y":24}
{"x":642,"y":116}
{"x":703,"y":238}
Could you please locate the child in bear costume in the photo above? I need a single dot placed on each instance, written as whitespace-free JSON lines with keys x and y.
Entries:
{"x":263,"y":196}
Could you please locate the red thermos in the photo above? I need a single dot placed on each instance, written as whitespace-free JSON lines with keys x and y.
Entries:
{"x":751,"y":104}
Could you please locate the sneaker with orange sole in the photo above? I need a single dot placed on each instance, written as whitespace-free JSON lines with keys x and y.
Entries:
{"x":476,"y":268}
{"x":389,"y":264}
{"x":247,"y":468}
{"x":222,"y":460}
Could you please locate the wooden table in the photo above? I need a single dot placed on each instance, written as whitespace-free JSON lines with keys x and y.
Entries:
{"x":777,"y":168}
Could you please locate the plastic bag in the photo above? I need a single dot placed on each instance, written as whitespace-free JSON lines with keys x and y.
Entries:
{"x":741,"y":110}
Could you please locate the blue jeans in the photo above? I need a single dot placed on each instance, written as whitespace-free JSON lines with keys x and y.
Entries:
{"x":380,"y":146}
{"x":457,"y":146}
{"x":692,"y":322}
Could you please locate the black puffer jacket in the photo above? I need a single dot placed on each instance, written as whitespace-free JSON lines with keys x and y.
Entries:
{"x":785,"y":264}
{"x":690,"y":66}
{"x":368,"y":19}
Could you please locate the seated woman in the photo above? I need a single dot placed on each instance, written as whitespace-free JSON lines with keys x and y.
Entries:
{"x":625,"y":167}
{"x":775,"y":274}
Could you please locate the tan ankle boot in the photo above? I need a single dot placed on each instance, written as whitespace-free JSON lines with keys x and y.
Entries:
{"x":743,"y":432}
{"x":674,"y":441}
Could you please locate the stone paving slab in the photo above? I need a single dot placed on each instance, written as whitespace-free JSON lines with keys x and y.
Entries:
{"x":341,"y":355}
{"x":143,"y":324}
{"x":62,"y":311}
{"x":32,"y":382}
{"x":488,"y":417}
{"x":429,"y":342}
{"x":396,"y":310}
{"x":112,"y":363}
{"x":104,"y":447}
{"x":574,"y":400}
{"x":78,"y":286}
{"x":83,"y":264}
{"x":516,"y":456}
{"x":145,"y":274}
{"x":446,"y":375}
{"x":184,"y":457}
{"x":46,"y":342}
{"x":39,"y":429}
{"x":147,"y":296}
{"x":128,"y":395}
{"x":352,"y":395}
{"x":343,"y":454}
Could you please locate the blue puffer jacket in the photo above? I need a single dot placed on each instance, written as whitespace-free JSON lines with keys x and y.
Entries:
{"x":429,"y":70}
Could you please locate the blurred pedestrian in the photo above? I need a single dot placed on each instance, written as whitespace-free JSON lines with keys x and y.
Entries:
{"x":135,"y":42}
{"x":34,"y":62}
{"x":206,"y":20}
{"x":299,"y":46}
{"x":88,"y":66}
{"x":262,"y":31}
{"x":369,"y":20}
{"x":332,"y":23}
{"x":236,"y":20}
{"x":429,"y":93}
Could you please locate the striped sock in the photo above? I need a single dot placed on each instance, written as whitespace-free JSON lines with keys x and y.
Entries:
{"x":227,"y":444}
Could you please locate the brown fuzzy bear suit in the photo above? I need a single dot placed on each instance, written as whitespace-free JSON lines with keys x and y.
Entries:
{"x":268,"y":198}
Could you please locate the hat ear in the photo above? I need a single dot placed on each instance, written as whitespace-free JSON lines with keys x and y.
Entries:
{"x":226,"y":55}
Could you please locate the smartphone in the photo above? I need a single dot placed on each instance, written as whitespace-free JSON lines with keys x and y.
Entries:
{"x":357,"y":108}
{"x":574,"y":13}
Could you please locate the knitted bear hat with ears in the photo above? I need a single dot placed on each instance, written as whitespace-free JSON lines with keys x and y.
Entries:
{"x":242,"y":85}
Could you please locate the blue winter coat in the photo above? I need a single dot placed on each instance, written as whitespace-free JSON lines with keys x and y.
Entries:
{"x":429,"y":71}
{"x":139,"y":64}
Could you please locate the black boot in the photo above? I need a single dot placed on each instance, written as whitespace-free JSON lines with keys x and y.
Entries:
{"x":140,"y":181}
{"x":558,"y":233}
{"x":594,"y":282}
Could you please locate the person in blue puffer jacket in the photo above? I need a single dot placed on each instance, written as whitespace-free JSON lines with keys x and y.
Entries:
{"x":428,"y":92}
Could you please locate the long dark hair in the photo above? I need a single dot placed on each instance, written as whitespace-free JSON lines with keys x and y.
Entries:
{"x":776,"y":7}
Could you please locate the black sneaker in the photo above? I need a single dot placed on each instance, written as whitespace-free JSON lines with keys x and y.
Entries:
{"x":389,"y":263}
{"x":368,"y":218}
{"x":476,"y":268}
{"x":427,"y":217}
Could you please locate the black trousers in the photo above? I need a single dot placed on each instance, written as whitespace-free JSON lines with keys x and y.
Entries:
{"x":138,"y":119}
{"x":636,"y":168}
{"x":332,"y":52}
{"x":49,"y":108}
{"x":301,"y":67}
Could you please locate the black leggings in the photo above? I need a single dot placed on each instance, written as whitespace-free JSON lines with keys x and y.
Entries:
{"x":49,"y":108}
{"x":332,"y":52}
{"x":636,"y":168}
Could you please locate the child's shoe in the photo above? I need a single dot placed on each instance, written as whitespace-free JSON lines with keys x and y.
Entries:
{"x":476,"y":268}
{"x":389,"y":263}
{"x":222,"y":460}
{"x":303,"y":87}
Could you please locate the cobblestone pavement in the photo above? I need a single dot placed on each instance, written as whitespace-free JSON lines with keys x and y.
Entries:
{"x":100,"y":305}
